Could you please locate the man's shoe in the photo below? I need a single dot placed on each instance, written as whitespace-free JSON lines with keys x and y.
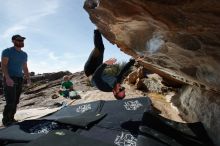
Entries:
{"x":6,"y":123}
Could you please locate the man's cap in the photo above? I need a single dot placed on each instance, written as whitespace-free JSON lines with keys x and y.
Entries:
{"x":17,"y":36}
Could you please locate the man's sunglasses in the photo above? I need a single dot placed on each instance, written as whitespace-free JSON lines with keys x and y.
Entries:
{"x":19,"y":40}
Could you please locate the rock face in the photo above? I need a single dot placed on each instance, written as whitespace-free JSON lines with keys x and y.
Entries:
{"x":179,"y":40}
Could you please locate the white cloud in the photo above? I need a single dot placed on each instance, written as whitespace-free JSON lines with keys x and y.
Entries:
{"x":39,"y":51}
{"x":47,"y":66}
{"x":72,"y":56}
{"x":12,"y":30}
{"x":52,"y":56}
{"x":50,"y":61}
{"x":26,"y":12}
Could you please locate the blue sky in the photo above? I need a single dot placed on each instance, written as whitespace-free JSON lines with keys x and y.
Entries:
{"x":59,"y":33}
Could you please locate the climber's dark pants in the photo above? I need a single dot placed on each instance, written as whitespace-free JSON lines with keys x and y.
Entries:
{"x":96,"y":57}
{"x":12,"y":95}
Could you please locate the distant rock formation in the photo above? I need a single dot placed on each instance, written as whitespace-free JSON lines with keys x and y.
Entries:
{"x":49,"y":76}
{"x":44,"y":78}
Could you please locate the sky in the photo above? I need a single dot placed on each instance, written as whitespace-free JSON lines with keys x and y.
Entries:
{"x":59,"y":33}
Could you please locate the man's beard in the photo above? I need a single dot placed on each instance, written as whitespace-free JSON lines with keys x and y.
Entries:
{"x":19,"y":45}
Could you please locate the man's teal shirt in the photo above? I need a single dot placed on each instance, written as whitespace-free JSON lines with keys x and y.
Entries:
{"x":16,"y":60}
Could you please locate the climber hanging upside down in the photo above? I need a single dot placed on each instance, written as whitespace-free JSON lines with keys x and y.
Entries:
{"x":95,"y":67}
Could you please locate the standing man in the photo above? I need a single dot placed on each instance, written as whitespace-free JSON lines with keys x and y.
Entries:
{"x":14,"y":64}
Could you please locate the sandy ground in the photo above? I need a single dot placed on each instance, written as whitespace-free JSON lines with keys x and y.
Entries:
{"x":161,"y":104}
